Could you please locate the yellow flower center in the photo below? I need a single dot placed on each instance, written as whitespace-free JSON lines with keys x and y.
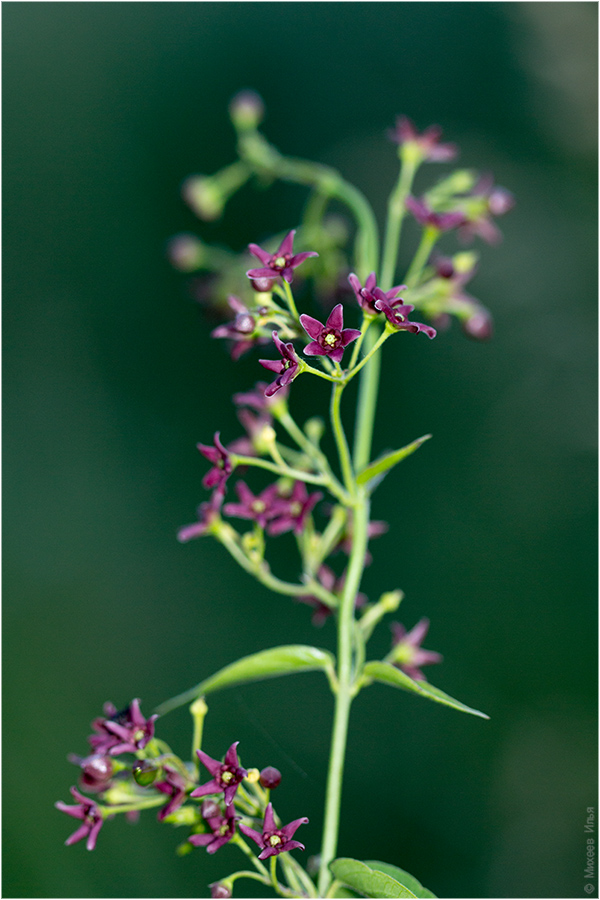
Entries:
{"x":227,"y":777}
{"x":274,"y":840}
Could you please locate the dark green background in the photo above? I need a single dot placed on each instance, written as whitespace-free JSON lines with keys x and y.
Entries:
{"x":111,"y":379}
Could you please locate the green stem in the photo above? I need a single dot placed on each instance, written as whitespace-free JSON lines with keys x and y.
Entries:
{"x":290,"y":300}
{"x":382,"y":337}
{"x":367,"y":399}
{"x":396,"y":213}
{"x":279,"y":469}
{"x":358,"y":343}
{"x":241,"y":843}
{"x":340,"y":438}
{"x":343,"y":698}
{"x":428,"y":239}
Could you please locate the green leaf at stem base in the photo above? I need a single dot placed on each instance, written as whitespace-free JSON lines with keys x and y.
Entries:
{"x":405,"y":878}
{"x":388,"y":674}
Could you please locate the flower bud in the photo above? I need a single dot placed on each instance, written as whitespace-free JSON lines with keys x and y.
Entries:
{"x":464,"y":262}
{"x":253,"y":776}
{"x":479,"y":326}
{"x":144,"y":772}
{"x":220,"y":889}
{"x":314,"y":428}
{"x":185,"y":252}
{"x":96,"y":772}
{"x":390,"y":601}
{"x":209,"y":809}
{"x":270,"y":777}
{"x":205,"y":197}
{"x":262,"y":285}
{"x":246,"y":110}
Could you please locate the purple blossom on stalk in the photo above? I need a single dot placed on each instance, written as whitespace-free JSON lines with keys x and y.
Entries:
{"x":88,"y":812}
{"x":226,"y":775}
{"x":407,"y":652}
{"x":207,"y":513}
{"x":241,"y":330}
{"x":222,"y":827}
{"x":495,"y":201}
{"x":219,"y":890}
{"x":174,"y":784}
{"x":370,"y":293}
{"x":334,"y":585}
{"x":286,"y":367}
{"x":292,"y":511}
{"x":219,"y":457}
{"x":331,"y":338}
{"x":257,"y":399}
{"x":275,"y":840}
{"x":428,"y":141}
{"x":425,"y":215}
{"x":248,"y":444}
{"x":397,"y":312}
{"x":283,"y":262}
{"x":126,"y":731}
{"x":259,"y":508}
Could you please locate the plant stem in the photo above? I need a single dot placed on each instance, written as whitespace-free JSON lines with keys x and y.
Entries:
{"x":367,"y":399}
{"x":382,"y":337}
{"x":396,"y":213}
{"x":343,"y":698}
{"x":340,"y":438}
{"x":428,"y":239}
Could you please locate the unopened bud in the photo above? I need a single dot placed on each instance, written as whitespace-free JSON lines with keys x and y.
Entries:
{"x":464,"y":262}
{"x":210,"y":809}
{"x":96,"y":772}
{"x":270,"y":777}
{"x":246,"y":110}
{"x":500,"y":201}
{"x":185,"y":252}
{"x":314,"y":428}
{"x":479,"y":326}
{"x":205,"y":197}
{"x":262,"y":285}
{"x":220,"y":889}
{"x":391,"y":600}
{"x":144,"y":772}
{"x":253,"y":776}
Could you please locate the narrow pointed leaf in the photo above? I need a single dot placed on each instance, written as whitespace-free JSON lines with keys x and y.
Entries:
{"x":367,"y":881}
{"x":381,"y":466}
{"x":271,"y":663}
{"x":405,"y":878}
{"x":388,"y":674}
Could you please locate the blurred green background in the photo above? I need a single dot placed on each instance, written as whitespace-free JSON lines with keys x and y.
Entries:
{"x":111,"y":378}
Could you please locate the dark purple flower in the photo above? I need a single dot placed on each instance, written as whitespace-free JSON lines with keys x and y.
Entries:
{"x":370,"y":293}
{"x":407,"y":652}
{"x":207,"y":513}
{"x":275,"y":840}
{"x":219,"y":457}
{"x":331,"y":338}
{"x":126,"y":731}
{"x":241,"y":330}
{"x":397,"y":312}
{"x":226,"y":775}
{"x":270,"y":778}
{"x":425,"y":215}
{"x":222,"y":827}
{"x":88,"y":812}
{"x":283,"y":262}
{"x":286,"y":367}
{"x":428,"y":142}
{"x":291,"y":511}
{"x":334,"y":585}
{"x":174,"y":784}
{"x":257,"y":399}
{"x":493,"y":201}
{"x":96,"y":771}
{"x":258,"y":508}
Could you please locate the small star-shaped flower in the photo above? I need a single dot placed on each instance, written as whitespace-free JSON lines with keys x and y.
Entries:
{"x":367,"y":295}
{"x":292,"y":511}
{"x":226,"y":775}
{"x":207,"y":513}
{"x":397,"y":312}
{"x":88,"y":812}
{"x":286,"y":367}
{"x":219,"y":457}
{"x":425,"y":215}
{"x":428,"y":142}
{"x":331,"y":338}
{"x":222,"y":827}
{"x":283,"y":262}
{"x":259,"y":509}
{"x":407,"y":652}
{"x":126,"y":731}
{"x":275,"y":840}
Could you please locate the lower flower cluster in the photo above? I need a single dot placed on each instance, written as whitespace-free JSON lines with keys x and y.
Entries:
{"x":130,"y":770}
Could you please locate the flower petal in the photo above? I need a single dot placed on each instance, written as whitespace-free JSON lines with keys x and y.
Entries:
{"x":312,"y":326}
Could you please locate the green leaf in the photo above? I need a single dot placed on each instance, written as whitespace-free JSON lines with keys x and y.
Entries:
{"x":367,"y":881}
{"x":388,"y":674}
{"x":405,"y":878}
{"x":382,"y":465}
{"x":266,"y":664}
